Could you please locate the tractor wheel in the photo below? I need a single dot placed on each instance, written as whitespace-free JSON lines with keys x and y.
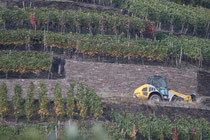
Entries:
{"x":155,"y":98}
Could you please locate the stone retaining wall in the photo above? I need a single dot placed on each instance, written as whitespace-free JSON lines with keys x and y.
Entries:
{"x":203,"y":79}
{"x":112,"y":78}
{"x":124,"y":78}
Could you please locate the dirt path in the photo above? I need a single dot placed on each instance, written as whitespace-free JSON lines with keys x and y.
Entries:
{"x":129,"y":100}
{"x":127,"y":104}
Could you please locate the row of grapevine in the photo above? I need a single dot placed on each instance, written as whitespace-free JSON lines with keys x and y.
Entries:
{"x":168,"y":47}
{"x":20,"y":61}
{"x":153,"y":127}
{"x":203,"y":3}
{"x":84,"y":103}
{"x":93,"y":22}
{"x":183,"y":19}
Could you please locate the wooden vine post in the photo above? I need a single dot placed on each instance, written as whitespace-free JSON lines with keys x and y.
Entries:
{"x":45,"y":40}
{"x":23,"y":11}
{"x":56,"y":132}
{"x":185,"y":31}
{"x":200,"y":59}
{"x":89,"y":24}
{"x":78,"y":26}
{"x":102,"y":25}
{"x":129,"y":57}
{"x":48,"y":21}
{"x":128,"y":28}
{"x":35,"y":22}
{"x":180,"y":58}
{"x":62,"y":22}
{"x":201,"y":135}
{"x":50,"y":72}
{"x":59,"y":68}
{"x":23,"y":5}
{"x":207,"y":34}
{"x":28,"y":43}
{"x":136,"y":36}
{"x":183,"y":24}
{"x":115,"y":25}
{"x":7,"y":69}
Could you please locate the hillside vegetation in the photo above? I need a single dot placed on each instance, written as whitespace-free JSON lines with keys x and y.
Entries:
{"x":163,"y":31}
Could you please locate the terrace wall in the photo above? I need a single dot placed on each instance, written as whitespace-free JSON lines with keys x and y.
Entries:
{"x":112,"y":78}
{"x":124,"y":78}
{"x":203,"y":79}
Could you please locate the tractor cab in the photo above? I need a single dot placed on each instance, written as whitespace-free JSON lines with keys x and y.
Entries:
{"x":157,"y":90}
{"x":159,"y":83}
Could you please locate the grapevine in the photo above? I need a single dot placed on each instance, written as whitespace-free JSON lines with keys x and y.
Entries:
{"x":29,"y":103}
{"x":70,"y":101}
{"x":58,"y":101}
{"x":3,"y":99}
{"x":17,"y":61}
{"x":17,"y":101}
{"x":43,"y":102}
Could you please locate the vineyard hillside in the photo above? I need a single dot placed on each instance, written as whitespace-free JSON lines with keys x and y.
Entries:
{"x":73,"y":65}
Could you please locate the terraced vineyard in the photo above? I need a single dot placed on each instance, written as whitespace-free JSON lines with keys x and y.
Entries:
{"x":169,"y":47}
{"x":168,"y":15}
{"x":37,"y":40}
{"x":93,"y":22}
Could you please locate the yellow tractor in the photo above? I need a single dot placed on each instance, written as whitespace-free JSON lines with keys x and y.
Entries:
{"x":156,"y":90}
